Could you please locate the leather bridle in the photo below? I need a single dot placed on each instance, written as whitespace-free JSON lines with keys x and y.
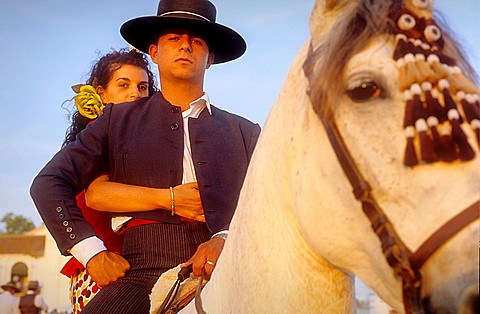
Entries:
{"x":405,"y":264}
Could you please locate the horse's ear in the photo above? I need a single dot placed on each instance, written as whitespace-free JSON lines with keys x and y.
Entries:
{"x":327,"y":5}
{"x":325,"y":13}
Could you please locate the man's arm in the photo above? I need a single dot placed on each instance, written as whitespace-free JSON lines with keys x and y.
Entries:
{"x":251,"y":143}
{"x":56,"y":186}
{"x":53,"y":191}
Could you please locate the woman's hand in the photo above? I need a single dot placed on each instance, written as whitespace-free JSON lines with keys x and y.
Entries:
{"x":187,"y":201}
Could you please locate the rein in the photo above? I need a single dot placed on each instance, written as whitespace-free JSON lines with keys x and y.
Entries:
{"x":405,"y":264}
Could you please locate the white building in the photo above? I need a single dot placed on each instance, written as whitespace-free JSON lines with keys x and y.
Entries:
{"x":35,"y":256}
{"x":368,"y":302}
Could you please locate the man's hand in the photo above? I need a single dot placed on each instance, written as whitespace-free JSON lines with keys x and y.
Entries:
{"x":206,"y":257}
{"x":106,"y":267}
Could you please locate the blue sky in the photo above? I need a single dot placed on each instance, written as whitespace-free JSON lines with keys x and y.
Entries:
{"x":49,"y":45}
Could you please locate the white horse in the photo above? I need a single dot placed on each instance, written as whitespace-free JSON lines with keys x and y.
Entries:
{"x":299,"y":235}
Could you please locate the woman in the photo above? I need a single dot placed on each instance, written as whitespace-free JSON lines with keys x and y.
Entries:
{"x":114,"y":89}
{"x":119,"y":76}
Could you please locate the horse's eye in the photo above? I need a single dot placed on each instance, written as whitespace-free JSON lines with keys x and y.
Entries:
{"x":406,"y":22}
{"x":365,"y":91}
{"x":432,"y":33}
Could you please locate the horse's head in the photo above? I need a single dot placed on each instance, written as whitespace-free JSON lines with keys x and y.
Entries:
{"x":399,"y":91}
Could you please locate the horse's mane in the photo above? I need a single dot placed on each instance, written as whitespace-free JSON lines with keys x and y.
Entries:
{"x":356,"y":24}
{"x":455,"y":48}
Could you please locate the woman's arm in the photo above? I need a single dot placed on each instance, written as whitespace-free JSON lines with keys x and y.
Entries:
{"x":105,"y":195}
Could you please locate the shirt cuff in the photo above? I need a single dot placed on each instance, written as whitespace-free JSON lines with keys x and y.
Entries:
{"x":84,"y":250}
{"x":221,"y":234}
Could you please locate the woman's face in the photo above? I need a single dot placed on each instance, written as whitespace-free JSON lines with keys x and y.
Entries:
{"x":128,"y":83}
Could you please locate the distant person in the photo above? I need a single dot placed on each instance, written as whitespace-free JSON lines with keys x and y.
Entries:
{"x":33,"y":302}
{"x":8,"y":300}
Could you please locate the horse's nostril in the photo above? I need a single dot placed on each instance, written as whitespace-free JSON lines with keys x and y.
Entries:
{"x":469,"y":304}
{"x":426,"y":305}
{"x":476,"y":305}
{"x":470,"y":301}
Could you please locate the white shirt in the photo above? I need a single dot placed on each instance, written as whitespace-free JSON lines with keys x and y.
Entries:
{"x":196,"y":107}
{"x":84,"y":250}
{"x":9,"y":303}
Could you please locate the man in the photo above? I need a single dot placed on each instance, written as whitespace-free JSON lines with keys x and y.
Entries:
{"x":33,"y":302}
{"x":173,"y":137}
{"x":8,"y":300}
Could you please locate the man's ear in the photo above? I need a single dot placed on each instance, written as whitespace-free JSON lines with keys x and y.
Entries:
{"x":211,"y":58}
{"x":153,"y":51}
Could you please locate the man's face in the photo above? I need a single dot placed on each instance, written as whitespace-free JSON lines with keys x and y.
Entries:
{"x":181,"y":55}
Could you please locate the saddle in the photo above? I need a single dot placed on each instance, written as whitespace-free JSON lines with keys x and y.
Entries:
{"x":162,"y":287}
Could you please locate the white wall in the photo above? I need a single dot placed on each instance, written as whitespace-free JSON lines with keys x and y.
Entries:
{"x":45,"y":269}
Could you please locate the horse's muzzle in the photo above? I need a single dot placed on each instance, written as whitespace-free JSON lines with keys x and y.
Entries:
{"x":469,"y":304}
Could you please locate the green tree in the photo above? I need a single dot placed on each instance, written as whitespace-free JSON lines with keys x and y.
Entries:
{"x":16,"y":224}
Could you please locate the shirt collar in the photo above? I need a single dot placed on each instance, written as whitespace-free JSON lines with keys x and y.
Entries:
{"x":197,"y":106}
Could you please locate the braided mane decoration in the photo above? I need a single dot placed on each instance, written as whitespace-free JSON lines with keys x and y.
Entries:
{"x":438,"y":96}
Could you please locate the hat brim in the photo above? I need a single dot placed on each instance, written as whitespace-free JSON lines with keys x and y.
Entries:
{"x":4,"y":287}
{"x":223,"y":41}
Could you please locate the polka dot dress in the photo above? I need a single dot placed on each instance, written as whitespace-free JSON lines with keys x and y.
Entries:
{"x":82,"y":290}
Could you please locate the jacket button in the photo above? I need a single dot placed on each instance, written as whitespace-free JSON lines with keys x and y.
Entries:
{"x":58,"y":209}
{"x":174,"y":126}
{"x":72,"y":236}
{"x":65,"y":223}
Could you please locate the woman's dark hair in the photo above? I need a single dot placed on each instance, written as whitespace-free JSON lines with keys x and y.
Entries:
{"x":100,"y":74}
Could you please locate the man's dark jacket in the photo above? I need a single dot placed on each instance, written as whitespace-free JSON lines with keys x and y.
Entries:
{"x":141,"y":143}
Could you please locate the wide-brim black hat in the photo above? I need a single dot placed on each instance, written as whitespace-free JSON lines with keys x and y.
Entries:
{"x":196,"y":15}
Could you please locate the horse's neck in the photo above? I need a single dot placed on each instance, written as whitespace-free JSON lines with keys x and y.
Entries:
{"x":267,"y":268}
{"x":266,"y":265}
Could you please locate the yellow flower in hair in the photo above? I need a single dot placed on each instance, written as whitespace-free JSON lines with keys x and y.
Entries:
{"x":88,"y":102}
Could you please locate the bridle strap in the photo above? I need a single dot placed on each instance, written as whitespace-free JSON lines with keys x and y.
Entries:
{"x":405,"y":264}
{"x":198,"y":295}
{"x":395,"y":251}
{"x":442,"y":235}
